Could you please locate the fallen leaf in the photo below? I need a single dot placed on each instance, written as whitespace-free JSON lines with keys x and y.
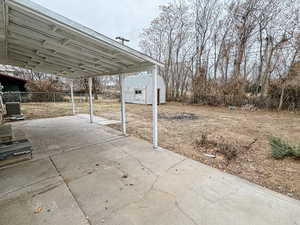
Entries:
{"x":38,"y":210}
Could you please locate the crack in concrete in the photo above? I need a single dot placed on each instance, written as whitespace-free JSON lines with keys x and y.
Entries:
{"x":47,"y":189}
{"x":154,"y":182}
{"x":72,"y":194}
{"x":139,"y":161}
{"x":26,"y":186}
{"x":176,"y":203}
{"x":185,"y":213}
{"x":176,"y":164}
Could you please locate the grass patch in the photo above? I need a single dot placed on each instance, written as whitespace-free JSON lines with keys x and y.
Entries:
{"x":282,"y":149}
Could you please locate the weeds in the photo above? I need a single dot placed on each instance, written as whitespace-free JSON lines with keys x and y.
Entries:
{"x":229,"y":150}
{"x":203,"y":141}
{"x":282,"y":149}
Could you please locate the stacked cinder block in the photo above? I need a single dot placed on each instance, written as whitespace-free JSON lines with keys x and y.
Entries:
{"x":13,"y":149}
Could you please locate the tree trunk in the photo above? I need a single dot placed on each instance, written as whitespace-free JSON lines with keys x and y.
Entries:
{"x":226,"y":68}
{"x":261,"y":58}
{"x":266,"y":75}
{"x":281,"y":97}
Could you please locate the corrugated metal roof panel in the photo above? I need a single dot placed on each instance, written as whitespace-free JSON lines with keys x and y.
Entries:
{"x":39,"y":39}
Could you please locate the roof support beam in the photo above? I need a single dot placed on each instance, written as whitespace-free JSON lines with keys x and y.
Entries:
{"x":48,"y":43}
{"x":55,"y":50}
{"x":52,"y":60}
{"x":32,"y":61}
{"x":88,"y":68}
{"x":43,"y":66}
{"x":61,"y":59}
{"x":24,"y":53}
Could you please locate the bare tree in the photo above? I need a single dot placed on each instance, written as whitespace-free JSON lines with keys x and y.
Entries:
{"x":237,"y":46}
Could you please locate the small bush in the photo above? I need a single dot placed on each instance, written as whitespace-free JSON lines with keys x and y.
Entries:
{"x":282,"y":149}
{"x":204,"y":139}
{"x":203,"y":142}
{"x":229,"y":151}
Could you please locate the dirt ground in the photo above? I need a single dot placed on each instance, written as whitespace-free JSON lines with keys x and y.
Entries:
{"x":179,"y":132}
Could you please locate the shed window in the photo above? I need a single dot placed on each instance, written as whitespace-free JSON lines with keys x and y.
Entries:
{"x":138,"y":92}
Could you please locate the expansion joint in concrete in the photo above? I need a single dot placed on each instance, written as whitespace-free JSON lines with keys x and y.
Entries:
{"x":69,"y":189}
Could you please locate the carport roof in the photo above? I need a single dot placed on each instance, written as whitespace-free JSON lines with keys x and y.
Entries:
{"x":36,"y":38}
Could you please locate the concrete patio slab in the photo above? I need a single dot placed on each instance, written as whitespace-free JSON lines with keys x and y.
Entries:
{"x":55,"y":135}
{"x":97,"y":176}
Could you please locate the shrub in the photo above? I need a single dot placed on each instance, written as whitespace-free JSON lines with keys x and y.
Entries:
{"x":282,"y":149}
{"x":230,"y":151}
{"x":203,"y":142}
{"x":297,"y":152}
{"x":204,"y":139}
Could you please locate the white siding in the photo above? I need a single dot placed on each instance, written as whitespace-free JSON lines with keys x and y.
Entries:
{"x":143,"y":82}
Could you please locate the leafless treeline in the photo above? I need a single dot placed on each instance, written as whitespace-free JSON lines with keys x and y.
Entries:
{"x":227,"y":48}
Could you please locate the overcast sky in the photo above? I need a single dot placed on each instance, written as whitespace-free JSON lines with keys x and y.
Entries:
{"x":112,"y":18}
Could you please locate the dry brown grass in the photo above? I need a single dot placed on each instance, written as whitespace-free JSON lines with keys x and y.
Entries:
{"x":255,"y":163}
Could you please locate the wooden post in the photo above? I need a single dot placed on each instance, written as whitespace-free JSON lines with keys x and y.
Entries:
{"x":91,"y":100}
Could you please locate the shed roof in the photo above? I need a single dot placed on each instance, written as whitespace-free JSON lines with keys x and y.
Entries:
{"x":36,"y":38}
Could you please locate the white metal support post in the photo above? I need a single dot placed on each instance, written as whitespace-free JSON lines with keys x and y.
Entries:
{"x":122,"y":93}
{"x":154,"y":108}
{"x":72,"y":97}
{"x":123,"y":110}
{"x":91,"y":100}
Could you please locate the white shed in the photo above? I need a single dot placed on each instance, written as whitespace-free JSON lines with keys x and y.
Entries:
{"x":138,"y":89}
